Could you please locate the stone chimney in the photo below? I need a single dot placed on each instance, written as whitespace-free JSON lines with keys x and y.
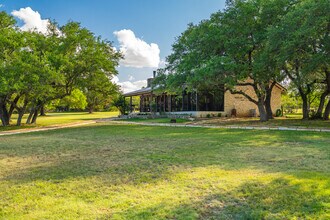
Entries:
{"x":149,"y":80}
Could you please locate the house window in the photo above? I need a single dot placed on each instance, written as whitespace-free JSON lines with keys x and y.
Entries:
{"x":211,"y":100}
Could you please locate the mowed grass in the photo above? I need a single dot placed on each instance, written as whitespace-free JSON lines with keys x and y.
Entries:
{"x":60,"y":118}
{"x":288,"y":121}
{"x":107,"y":171}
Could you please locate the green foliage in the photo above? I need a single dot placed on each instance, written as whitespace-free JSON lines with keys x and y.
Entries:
{"x":121,"y":103}
{"x":36,"y":69}
{"x":253,"y":44}
{"x":76,"y":100}
{"x":301,"y":45}
{"x":278,"y":113}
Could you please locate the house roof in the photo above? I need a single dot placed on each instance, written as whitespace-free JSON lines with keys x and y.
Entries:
{"x":138,"y":92}
{"x":149,"y":90}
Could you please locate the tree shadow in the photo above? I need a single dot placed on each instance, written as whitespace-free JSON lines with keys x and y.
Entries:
{"x":148,"y":153}
{"x":279,"y":199}
{"x":137,"y":155}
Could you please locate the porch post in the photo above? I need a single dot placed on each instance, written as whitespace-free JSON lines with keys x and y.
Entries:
{"x":196,"y":101}
{"x":130,"y":104}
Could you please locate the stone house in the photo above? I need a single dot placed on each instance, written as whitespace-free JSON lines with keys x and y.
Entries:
{"x":202,"y":103}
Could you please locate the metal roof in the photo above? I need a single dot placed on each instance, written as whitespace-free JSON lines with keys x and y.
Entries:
{"x":139,"y":92}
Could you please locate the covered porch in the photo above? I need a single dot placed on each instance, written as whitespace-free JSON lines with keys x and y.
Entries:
{"x":185,"y":103}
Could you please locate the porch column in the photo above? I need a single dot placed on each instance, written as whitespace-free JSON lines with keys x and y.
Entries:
{"x":196,"y":101}
{"x":130,"y":104}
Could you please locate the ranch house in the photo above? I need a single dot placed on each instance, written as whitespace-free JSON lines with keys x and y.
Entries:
{"x":201,"y":103}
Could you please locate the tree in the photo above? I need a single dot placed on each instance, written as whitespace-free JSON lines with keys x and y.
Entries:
{"x":301,"y":47}
{"x":76,"y":55}
{"x":230,"y":48}
{"x":100,"y":61}
{"x":245,"y":27}
{"x":9,"y":46}
{"x":76,"y":100}
{"x":36,"y":68}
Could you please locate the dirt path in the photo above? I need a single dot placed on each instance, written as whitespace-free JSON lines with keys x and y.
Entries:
{"x":47,"y":128}
{"x":112,"y":121}
{"x":219,"y":126}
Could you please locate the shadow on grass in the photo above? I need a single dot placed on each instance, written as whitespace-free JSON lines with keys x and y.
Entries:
{"x":137,"y":155}
{"x":279,"y":199}
{"x":146,"y":153}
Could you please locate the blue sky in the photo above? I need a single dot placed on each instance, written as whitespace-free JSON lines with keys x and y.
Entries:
{"x":151,"y":21}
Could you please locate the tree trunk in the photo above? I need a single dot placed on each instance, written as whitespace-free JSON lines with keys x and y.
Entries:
{"x":21,"y":112}
{"x":19,"y":118}
{"x":42,"y":110}
{"x":268,"y":101}
{"x":13,"y":105}
{"x":319,"y":111}
{"x":262,"y":111}
{"x":4,"y":114}
{"x":90,"y":110}
{"x":327,"y":111}
{"x":35,"y":115}
{"x":28,"y":120}
{"x":305,"y":107}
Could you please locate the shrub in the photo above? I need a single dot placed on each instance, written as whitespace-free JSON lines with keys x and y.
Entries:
{"x":208,"y":116}
{"x":219,"y":115}
{"x":121,"y":103}
{"x":278,"y":113}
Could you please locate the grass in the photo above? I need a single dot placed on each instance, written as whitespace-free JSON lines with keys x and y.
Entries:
{"x":137,"y":172}
{"x":60,"y":118}
{"x":292,"y":120}
{"x":289,"y":121}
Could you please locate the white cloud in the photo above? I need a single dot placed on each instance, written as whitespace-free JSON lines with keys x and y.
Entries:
{"x":32,"y":20}
{"x":128,"y":86}
{"x":137,"y":53}
{"x":162,"y":63}
{"x":131,"y":78}
{"x":1,"y":5}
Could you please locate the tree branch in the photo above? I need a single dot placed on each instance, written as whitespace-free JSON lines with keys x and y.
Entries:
{"x":244,"y":94}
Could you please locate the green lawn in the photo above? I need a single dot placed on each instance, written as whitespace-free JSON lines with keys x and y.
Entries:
{"x":61,"y":118}
{"x":137,"y":172}
{"x":288,"y":121}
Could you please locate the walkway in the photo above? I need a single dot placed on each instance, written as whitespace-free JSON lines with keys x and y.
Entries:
{"x":112,"y":121}
{"x":217,"y":126}
{"x":47,"y":128}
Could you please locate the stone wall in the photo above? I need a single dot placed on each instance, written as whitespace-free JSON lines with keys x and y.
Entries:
{"x":243,"y":106}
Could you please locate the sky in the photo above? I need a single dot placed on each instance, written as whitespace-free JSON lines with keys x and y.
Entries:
{"x":143,"y":30}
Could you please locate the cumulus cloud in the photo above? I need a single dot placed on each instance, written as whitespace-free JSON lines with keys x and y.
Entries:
{"x":32,"y":20}
{"x":129,"y":86}
{"x":137,"y":53}
{"x":131,"y":78}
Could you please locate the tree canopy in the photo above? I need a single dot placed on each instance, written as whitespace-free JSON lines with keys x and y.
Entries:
{"x":253,"y":44}
{"x":37,"y":68}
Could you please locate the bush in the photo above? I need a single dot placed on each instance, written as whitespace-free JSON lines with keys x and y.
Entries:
{"x":278,"y":113}
{"x":208,"y":116}
{"x":219,"y":115}
{"x":122,"y":105}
